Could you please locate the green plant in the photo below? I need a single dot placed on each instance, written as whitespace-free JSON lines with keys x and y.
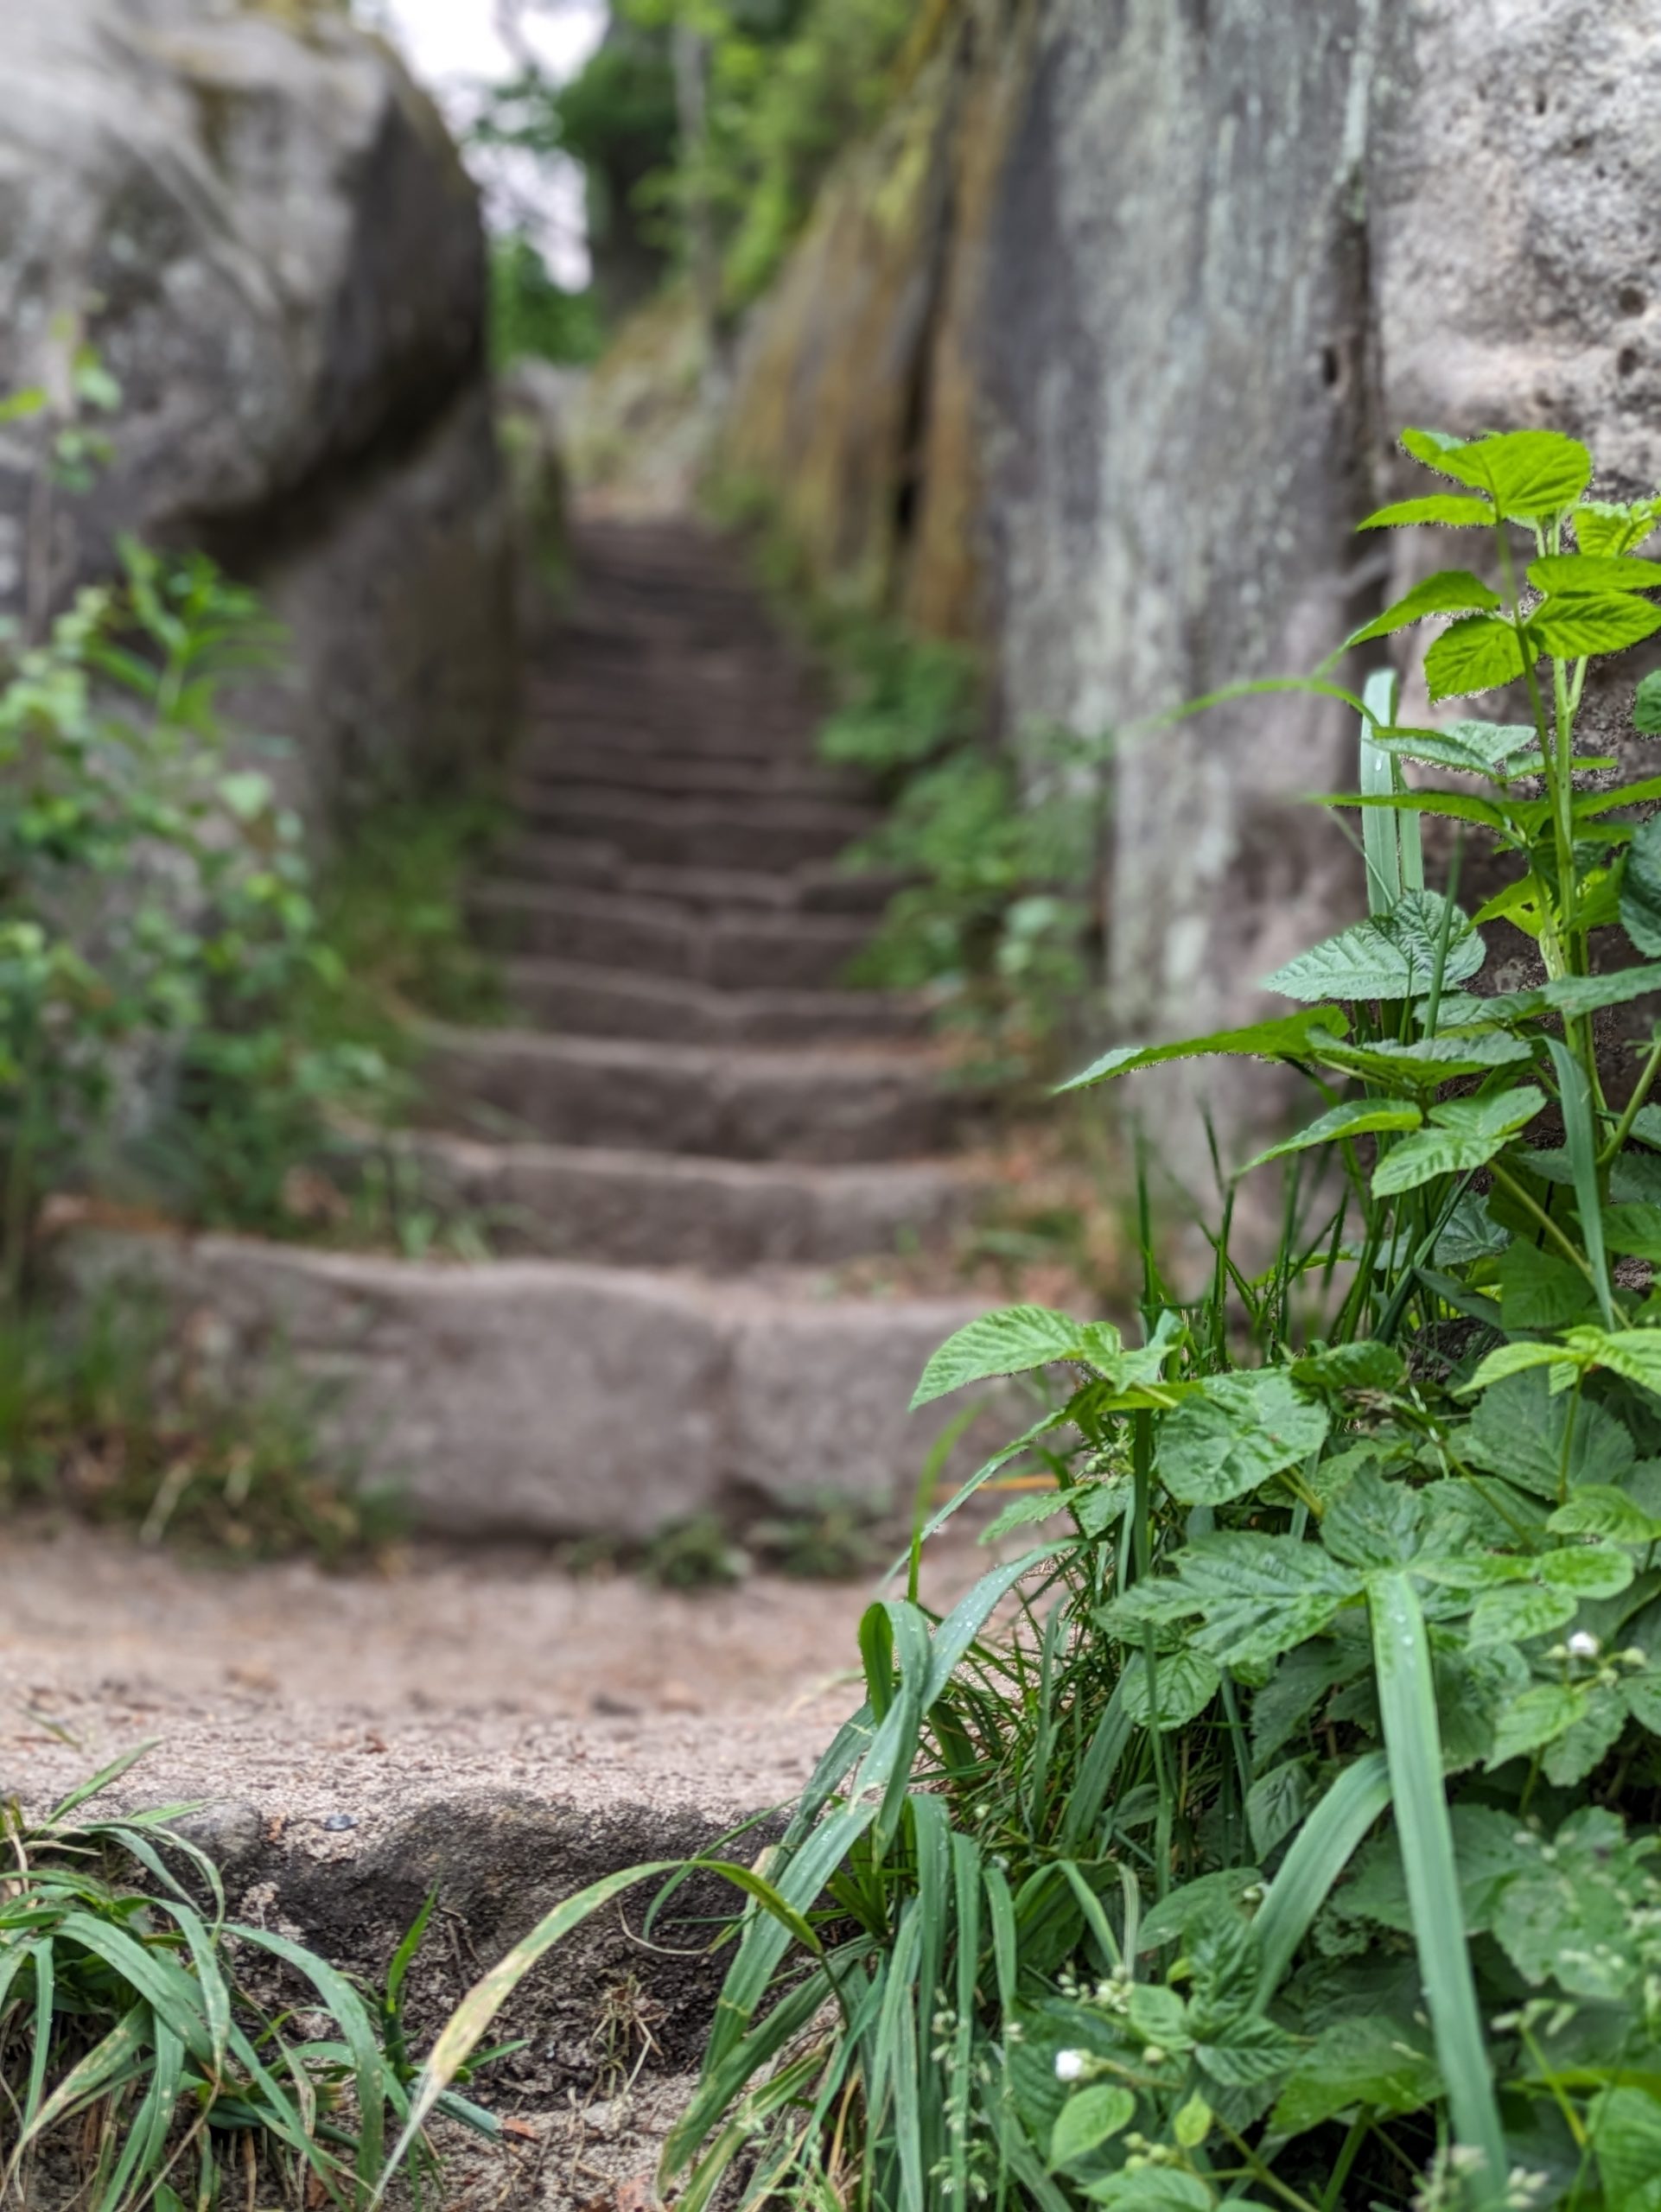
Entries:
{"x":531,"y":315}
{"x":1295,"y":1842}
{"x":154,"y":2053}
{"x":159,"y":920}
{"x":98,"y":1416}
{"x":995,"y":855}
{"x":694,"y":1554}
{"x":827,"y":1539}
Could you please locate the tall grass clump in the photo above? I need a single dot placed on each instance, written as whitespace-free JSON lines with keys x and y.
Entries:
{"x":1281,"y":1829}
{"x":155,"y":2056}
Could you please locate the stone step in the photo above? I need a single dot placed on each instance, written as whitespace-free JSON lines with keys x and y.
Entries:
{"x":543,"y":1398}
{"x":633,"y":715}
{"x":835,"y":1108}
{"x":589,"y":863}
{"x":594,"y":1001}
{"x":734,"y":832}
{"x":737,"y":948}
{"x":646,"y":1209}
{"x":681,"y":775}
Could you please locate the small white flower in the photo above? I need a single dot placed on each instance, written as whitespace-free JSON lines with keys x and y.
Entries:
{"x":1069,"y":2065}
{"x":1584,"y":1645}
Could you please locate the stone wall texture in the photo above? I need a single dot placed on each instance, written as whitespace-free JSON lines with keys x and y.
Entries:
{"x":1098,"y":351}
{"x":264,"y":228}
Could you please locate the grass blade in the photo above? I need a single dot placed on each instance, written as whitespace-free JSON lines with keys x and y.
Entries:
{"x":1407,"y":1703}
{"x":1323,"y":1848}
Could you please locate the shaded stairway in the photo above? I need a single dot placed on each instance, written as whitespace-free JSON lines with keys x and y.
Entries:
{"x":692,"y":1086}
{"x":691,"y":1126}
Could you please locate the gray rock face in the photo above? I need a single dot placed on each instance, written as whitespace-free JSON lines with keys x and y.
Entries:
{"x":1174,"y":334}
{"x":1240,"y":243}
{"x":262,"y":226}
{"x":1196,"y":262}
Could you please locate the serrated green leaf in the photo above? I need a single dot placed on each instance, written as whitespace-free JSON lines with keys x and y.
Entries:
{"x":1361,"y":1118}
{"x":1529,"y":474}
{"x":1574,"y":629}
{"x":1160,"y":2016}
{"x":1449,"y":510}
{"x":1466,"y":1133}
{"x":1372,"y":1522}
{"x":1371,"y":2060}
{"x":1633,"y":1353}
{"x":1475,"y":748}
{"x":1604,"y":527}
{"x":1539,"y":1290}
{"x":1363,"y":1365}
{"x":1155,"y":2189}
{"x":1507,"y":1360}
{"x":1633,"y":1229}
{"x":1537,"y":1718}
{"x":1623,"y":2128}
{"x":1641,"y":887}
{"x":1276,"y":1804}
{"x":1587,"y":1570}
{"x":1286,"y":1037}
{"x":1390,"y":955}
{"x":1184,"y":1682}
{"x":1012,"y":1341}
{"x":1573,"y":995}
{"x":1090,"y":2117}
{"x":1234,"y":1434}
{"x":1451,"y":591}
{"x":1518,"y":1611}
{"x":1565,"y":1917}
{"x":1646,"y":706}
{"x":1261,"y":1595}
{"x":1248,"y":2052}
{"x":1580,"y":575}
{"x":1427,"y":1062}
{"x":1477,"y":653}
{"x":1601,"y":1509}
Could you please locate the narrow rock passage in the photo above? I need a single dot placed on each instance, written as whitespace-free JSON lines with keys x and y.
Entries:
{"x":691,"y":1129}
{"x":692,"y":1086}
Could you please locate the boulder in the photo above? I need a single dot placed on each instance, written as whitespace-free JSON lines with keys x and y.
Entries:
{"x":1097,"y":350}
{"x":260,"y":224}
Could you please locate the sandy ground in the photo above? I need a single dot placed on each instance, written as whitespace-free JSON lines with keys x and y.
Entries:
{"x":280,"y":1686}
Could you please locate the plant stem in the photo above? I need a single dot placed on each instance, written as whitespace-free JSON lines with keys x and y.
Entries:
{"x":1515,"y":1189}
{"x":1634,"y":1104}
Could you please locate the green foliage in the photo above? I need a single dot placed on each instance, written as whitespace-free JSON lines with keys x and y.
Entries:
{"x":1298,"y":1840}
{"x":158,"y":906}
{"x":101,"y":1417}
{"x":531,"y":315}
{"x":159,"y":2054}
{"x":995,"y":855}
{"x":785,"y":85}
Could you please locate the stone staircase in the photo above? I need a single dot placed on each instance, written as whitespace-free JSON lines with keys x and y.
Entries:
{"x":691,"y":1122}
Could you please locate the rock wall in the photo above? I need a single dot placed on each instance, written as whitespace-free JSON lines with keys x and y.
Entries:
{"x":262,"y":226}
{"x":1204,"y":259}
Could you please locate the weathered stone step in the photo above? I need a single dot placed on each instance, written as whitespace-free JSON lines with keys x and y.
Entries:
{"x":673,"y":716}
{"x":589,"y":863}
{"x":644,"y":1209}
{"x":879,"y":1103}
{"x":742,"y":948}
{"x":617,"y":1002}
{"x":683,"y":775}
{"x":736,"y":832}
{"x":543,"y":1398}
